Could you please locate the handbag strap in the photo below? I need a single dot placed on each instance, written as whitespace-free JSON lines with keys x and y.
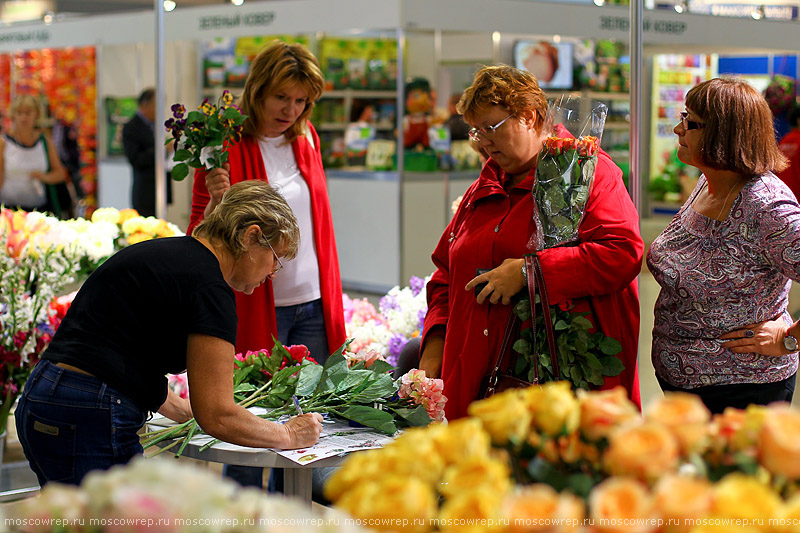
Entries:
{"x":512,"y":330}
{"x":536,"y":282}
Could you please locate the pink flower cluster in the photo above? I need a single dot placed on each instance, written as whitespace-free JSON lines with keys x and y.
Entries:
{"x":179,"y":384}
{"x":360,"y":311}
{"x":365,"y":355}
{"x":424,"y":391}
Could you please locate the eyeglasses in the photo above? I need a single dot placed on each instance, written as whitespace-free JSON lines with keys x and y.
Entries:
{"x":486,"y":131}
{"x":690,"y":124}
{"x":277,"y":269}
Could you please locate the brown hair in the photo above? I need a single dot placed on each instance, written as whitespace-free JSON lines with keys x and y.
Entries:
{"x":276,"y":67}
{"x":739,"y":134}
{"x":247,"y":203}
{"x":516,"y":90}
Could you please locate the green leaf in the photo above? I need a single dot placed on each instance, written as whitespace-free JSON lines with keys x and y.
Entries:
{"x":353,"y":379}
{"x":308,"y":379}
{"x":417,"y":416}
{"x":182,"y":155}
{"x":380,"y":367}
{"x":382,"y":421}
{"x":523,"y":309}
{"x":592,"y":361}
{"x":195,"y":116}
{"x":581,"y":484}
{"x":382,"y":387}
{"x":560,"y":325}
{"x":612,"y":366}
{"x":180,"y":171}
{"x":582,"y":322}
{"x":610,"y":346}
{"x":335,"y":368}
{"x":522,"y":347}
{"x":230,"y":113}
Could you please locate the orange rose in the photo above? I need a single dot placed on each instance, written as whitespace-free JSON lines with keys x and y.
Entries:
{"x":539,"y":508}
{"x":681,"y":497}
{"x":779,"y":449}
{"x":602,"y":411}
{"x":622,"y":505}
{"x":645,"y":451}
{"x":125,"y":214}
{"x":686,"y":416}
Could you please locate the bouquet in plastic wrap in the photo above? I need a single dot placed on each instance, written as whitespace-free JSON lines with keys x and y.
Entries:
{"x":565,"y":173}
{"x":564,"y":178}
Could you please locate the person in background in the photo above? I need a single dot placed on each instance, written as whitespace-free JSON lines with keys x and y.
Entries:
{"x":138,"y":141}
{"x":65,"y":139}
{"x":29,"y":164}
{"x":459,"y":130}
{"x":725,"y":262}
{"x":99,"y":378}
{"x":790,"y":146}
{"x":279,"y":145}
{"x":506,"y":110}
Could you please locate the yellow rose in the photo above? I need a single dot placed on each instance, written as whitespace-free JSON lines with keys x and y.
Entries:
{"x":355,"y":469}
{"x":138,"y":237}
{"x":743,"y":497}
{"x":461,"y":440}
{"x":391,"y":503}
{"x":788,"y":516}
{"x":686,"y":416}
{"x":779,"y":448}
{"x":556,"y":409}
{"x":467,"y":475}
{"x":417,"y":455}
{"x":622,"y":505}
{"x":602,"y":411}
{"x":505,"y":416}
{"x":132,"y":225}
{"x":125,"y":214}
{"x":539,"y":508}
{"x":106,"y":214}
{"x":149,"y":224}
{"x":473,"y":511}
{"x":645,"y":451}
{"x":680,"y":497}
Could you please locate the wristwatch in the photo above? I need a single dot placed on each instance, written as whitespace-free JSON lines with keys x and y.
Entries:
{"x":524,"y":272}
{"x":790,"y":343}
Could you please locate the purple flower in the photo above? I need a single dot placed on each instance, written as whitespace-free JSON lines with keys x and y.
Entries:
{"x":388,"y":303}
{"x":392,"y":359}
{"x":178,"y":110}
{"x":416,"y":284}
{"x":169,"y":123}
{"x":421,"y":317}
{"x":396,"y":344}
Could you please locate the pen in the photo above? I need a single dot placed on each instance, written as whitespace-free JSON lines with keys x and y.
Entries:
{"x":297,"y":405}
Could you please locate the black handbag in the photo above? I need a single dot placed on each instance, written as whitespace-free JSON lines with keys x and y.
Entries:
{"x":499,"y":379}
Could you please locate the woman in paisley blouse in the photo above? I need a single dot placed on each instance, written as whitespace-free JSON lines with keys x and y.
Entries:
{"x":726,"y":262}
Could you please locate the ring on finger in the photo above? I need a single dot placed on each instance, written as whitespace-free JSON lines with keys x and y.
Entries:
{"x":749,"y":333}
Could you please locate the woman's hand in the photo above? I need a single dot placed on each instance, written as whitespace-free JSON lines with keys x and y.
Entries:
{"x":502,"y":282}
{"x":303,"y":430}
{"x":218,"y":181}
{"x":765,"y":338}
{"x":176,"y":408}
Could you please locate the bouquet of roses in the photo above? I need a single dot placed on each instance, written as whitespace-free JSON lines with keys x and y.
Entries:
{"x":564,"y":177}
{"x":201,"y":135}
{"x":357,"y":388}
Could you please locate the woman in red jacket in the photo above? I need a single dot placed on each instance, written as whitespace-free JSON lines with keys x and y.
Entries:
{"x":304,"y":304}
{"x":506,"y":108}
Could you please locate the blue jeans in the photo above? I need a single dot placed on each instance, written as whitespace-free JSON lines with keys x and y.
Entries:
{"x":297,"y":324}
{"x":71,"y":423}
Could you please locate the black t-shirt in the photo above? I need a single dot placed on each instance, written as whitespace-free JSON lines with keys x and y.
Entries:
{"x":130,"y":322}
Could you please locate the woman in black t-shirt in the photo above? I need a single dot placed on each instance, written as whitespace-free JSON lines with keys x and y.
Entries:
{"x":159,"y":307}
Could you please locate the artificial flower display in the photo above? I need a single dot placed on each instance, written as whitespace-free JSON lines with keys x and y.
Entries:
{"x":404,"y":311}
{"x":167,"y":495}
{"x":546,"y":459}
{"x":201,"y":135}
{"x":358,"y":389}
{"x":365,"y":326}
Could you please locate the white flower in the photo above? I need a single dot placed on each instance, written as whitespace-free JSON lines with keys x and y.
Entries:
{"x":106,"y":214}
{"x":206,"y":155}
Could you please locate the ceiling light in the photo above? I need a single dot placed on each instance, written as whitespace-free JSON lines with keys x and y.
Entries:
{"x":682,"y":7}
{"x":599,"y":2}
{"x":237,"y":2}
{"x":48,"y":17}
{"x":169,"y":5}
{"x":757,"y":13}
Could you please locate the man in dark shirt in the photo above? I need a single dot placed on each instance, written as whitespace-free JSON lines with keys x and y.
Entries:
{"x":138,"y":140}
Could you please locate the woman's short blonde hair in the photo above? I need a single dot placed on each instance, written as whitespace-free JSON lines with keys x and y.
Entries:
{"x":739,"y":134}
{"x":274,"y":68}
{"x":514,"y":89}
{"x":245,"y":204}
{"x":26,"y":100}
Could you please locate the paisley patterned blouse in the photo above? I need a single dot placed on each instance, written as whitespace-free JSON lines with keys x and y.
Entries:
{"x":717,"y":276}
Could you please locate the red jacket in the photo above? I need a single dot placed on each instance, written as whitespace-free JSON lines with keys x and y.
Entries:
{"x":790,"y":146}
{"x":257,"y":311}
{"x":598,"y":275}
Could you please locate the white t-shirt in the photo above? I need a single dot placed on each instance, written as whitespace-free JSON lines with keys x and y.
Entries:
{"x":19,"y":189}
{"x":298,"y":282}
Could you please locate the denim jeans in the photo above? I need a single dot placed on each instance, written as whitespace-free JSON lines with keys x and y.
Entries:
{"x":71,"y":423}
{"x":297,"y":324}
{"x":718,"y":397}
